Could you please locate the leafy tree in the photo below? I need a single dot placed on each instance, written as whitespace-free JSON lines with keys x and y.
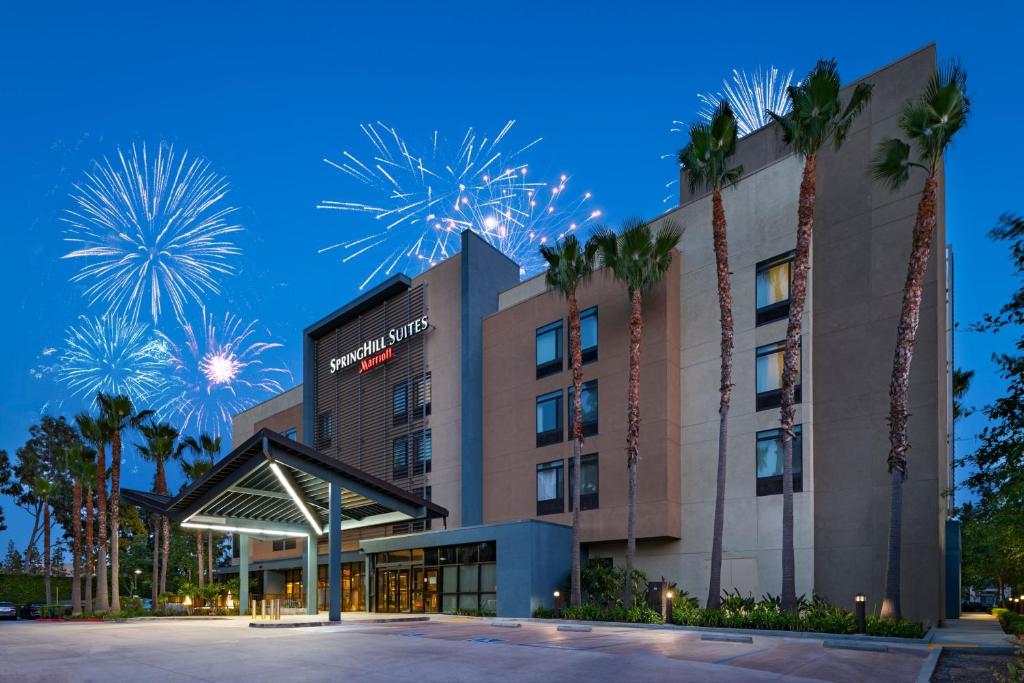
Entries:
{"x":638,"y":257}
{"x":817,"y":117}
{"x":79,"y":463}
{"x":209,"y":447}
{"x":12,"y":560}
{"x":928,"y":124}
{"x":571,"y":265}
{"x":706,"y":162}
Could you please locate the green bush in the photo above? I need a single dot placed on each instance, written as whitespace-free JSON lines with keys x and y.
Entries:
{"x":602,"y":584}
{"x":637,"y":614}
{"x":132,"y":604}
{"x":1011,"y":622}
{"x":544,"y":613}
{"x":894,"y":629}
{"x":22,"y":589}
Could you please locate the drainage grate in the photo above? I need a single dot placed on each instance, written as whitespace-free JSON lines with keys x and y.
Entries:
{"x":484,"y":640}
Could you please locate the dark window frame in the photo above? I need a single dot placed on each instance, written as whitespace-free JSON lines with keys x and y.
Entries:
{"x":588,"y":501}
{"x":325,"y":428}
{"x":417,"y":395}
{"x":590,"y":427}
{"x":780,"y":309}
{"x":772,"y":485}
{"x":772,"y":398}
{"x":553,"y":366}
{"x":556,"y":435}
{"x":589,"y":354}
{"x":551,"y":506}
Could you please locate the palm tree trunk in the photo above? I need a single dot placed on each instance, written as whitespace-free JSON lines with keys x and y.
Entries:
{"x":115,"y":523}
{"x":155,"y":584}
{"x":46,"y":549}
{"x":76,"y":548}
{"x":90,"y":550}
{"x":102,"y":602}
{"x":899,"y":387}
{"x":576,"y":358}
{"x":636,"y":326}
{"x":209,"y":556}
{"x":199,"y":556}
{"x":166,"y":547}
{"x":791,"y":372}
{"x":725,"y":392}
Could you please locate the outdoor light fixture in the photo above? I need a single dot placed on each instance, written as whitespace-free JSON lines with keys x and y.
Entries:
{"x":859,"y":603}
{"x":229,"y":603}
{"x":295,"y":497}
{"x":244,"y":530}
{"x":558,"y":594}
{"x":668,"y":595}
{"x":137,"y":572}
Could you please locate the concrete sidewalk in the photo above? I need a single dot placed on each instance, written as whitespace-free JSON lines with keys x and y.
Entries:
{"x":974,"y":630}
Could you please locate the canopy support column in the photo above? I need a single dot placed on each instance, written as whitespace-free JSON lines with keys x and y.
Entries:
{"x":334,"y":552}
{"x":311,"y":574}
{"x":243,"y":573}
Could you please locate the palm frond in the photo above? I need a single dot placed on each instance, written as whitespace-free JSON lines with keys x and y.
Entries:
{"x":891,"y":163}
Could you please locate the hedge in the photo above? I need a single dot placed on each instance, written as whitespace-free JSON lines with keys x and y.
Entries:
{"x":22,"y":589}
{"x":1011,"y":622}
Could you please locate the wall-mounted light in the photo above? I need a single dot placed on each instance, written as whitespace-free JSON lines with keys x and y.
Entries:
{"x":295,"y":497}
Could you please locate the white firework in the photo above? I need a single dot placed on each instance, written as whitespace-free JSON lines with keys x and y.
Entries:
{"x":751,"y":96}
{"x":113,"y":355}
{"x":220,"y":370}
{"x":420,"y":198}
{"x":150,"y":229}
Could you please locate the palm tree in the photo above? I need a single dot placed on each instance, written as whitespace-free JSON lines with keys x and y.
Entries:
{"x":118,"y":414}
{"x":78,"y":462}
{"x":43,"y":488}
{"x":161,"y":447}
{"x":638,"y":257}
{"x":96,"y":433}
{"x":90,"y":547}
{"x":816,"y":118}
{"x":706,"y":162}
{"x":929,"y":123}
{"x":570,"y":266}
{"x":194,"y":471}
{"x":210,"y":447}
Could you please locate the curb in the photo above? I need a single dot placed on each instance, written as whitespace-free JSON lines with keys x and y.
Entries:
{"x":314,"y":624}
{"x":854,"y":645}
{"x":929,"y":664}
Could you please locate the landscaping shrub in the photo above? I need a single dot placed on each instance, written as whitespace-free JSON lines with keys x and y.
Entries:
{"x":1011,"y":622}
{"x":894,"y":629}
{"x":22,"y":589}
{"x":637,"y":614}
{"x":602,"y":584}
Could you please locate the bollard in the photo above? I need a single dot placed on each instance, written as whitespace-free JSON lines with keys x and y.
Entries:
{"x":859,"y":603}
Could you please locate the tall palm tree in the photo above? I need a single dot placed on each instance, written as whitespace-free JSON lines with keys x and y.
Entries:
{"x":706,"y":162}
{"x":638,"y":257}
{"x":816,"y":118}
{"x":210,"y":447}
{"x":118,"y":414}
{"x":96,"y":433}
{"x":43,"y":488}
{"x":90,"y":547}
{"x":161,"y":446}
{"x":928,"y":123}
{"x":78,"y":462}
{"x":193,"y":472}
{"x":569,"y":267}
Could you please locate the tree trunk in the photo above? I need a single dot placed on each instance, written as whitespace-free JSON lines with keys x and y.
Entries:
{"x":33,"y":538}
{"x":166,"y":547}
{"x":115,"y":522}
{"x":725,"y":392}
{"x":76,"y":548}
{"x":899,"y":387}
{"x":636,"y":326}
{"x":155,"y":585}
{"x":576,"y":358}
{"x":90,"y":550}
{"x":46,"y":550}
{"x":791,"y":372}
{"x":209,"y":556}
{"x":199,"y":557}
{"x":102,"y":602}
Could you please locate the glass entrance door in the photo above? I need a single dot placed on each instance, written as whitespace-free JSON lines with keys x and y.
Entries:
{"x":394,"y":592}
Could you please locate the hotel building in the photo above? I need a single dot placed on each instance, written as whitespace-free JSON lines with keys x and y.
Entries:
{"x":453,"y":386}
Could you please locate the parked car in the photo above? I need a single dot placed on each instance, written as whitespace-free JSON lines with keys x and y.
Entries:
{"x":32,"y":610}
{"x":8,"y":610}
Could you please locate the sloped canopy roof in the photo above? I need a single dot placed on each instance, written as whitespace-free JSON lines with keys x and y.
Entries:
{"x":277,"y":486}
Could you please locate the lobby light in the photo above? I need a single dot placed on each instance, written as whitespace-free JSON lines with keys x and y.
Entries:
{"x":295,"y":497}
{"x":244,"y":530}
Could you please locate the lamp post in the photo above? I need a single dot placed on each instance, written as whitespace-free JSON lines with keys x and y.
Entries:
{"x":666,"y":606}
{"x":859,"y":604}
{"x":135,"y":583}
{"x":558,"y":604}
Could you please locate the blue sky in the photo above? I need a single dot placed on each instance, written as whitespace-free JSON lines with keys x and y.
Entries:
{"x":266,"y":91}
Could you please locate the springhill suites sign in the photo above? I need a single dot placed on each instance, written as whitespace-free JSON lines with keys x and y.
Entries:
{"x":367,"y":354}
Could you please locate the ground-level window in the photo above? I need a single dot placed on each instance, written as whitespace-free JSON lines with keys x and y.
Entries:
{"x":293,"y":586}
{"x":769,"y":461}
{"x":550,"y":488}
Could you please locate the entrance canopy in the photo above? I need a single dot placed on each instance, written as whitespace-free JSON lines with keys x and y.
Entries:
{"x":272,"y":487}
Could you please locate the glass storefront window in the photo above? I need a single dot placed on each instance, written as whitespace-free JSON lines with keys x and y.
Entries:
{"x":488,"y":577}
{"x":446,"y":579}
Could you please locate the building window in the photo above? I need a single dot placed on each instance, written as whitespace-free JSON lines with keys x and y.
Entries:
{"x":549,"y":349}
{"x":588,"y":482}
{"x":774,"y":277}
{"x":769,"y":462}
{"x":290,"y":433}
{"x":550,"y":488}
{"x":236,"y":543}
{"x":411,"y":399}
{"x":549,"y":418}
{"x":769,"y":376}
{"x":416,"y":447}
{"x":400,"y":457}
{"x":283,"y":544}
{"x":588,"y":335}
{"x":588,"y":401}
{"x":422,"y":444}
{"x":325,"y":428}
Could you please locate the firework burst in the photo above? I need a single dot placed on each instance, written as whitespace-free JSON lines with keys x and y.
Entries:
{"x":750,"y":96}
{"x":113,"y":355}
{"x":419,"y":199}
{"x":219,"y":371}
{"x":150,"y":229}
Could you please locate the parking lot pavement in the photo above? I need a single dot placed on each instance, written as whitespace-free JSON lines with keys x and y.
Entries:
{"x":438,"y":650}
